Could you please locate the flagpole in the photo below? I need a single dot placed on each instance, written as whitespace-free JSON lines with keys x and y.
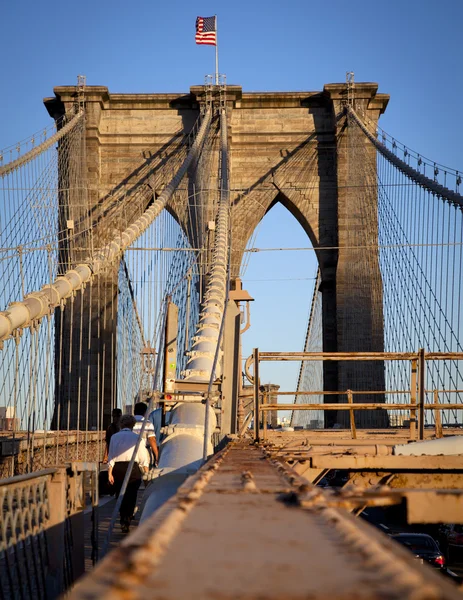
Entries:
{"x":216,"y":53}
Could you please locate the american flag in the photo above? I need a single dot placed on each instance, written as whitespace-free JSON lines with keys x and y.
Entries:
{"x":206,"y":31}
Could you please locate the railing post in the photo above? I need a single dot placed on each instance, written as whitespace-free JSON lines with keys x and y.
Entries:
{"x":55,"y":534}
{"x":256,"y":395}
{"x":437,"y":415}
{"x":265,"y":414}
{"x":421,"y":390}
{"x":413,"y":400}
{"x":95,"y":516}
{"x":76,"y":491}
{"x":240,"y":412}
{"x":353,"y":429}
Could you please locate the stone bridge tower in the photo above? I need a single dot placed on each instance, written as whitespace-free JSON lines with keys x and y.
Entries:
{"x":288,"y":147}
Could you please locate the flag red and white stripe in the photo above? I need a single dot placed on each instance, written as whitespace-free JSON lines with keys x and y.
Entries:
{"x":206,"y":31}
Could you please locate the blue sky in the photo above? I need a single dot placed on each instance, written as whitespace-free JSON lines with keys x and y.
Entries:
{"x":411,"y":48}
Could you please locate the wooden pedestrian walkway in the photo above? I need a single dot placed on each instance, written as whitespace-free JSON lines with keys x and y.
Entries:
{"x":105,"y":511}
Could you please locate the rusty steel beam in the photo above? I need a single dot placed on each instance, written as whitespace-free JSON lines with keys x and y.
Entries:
{"x":390,"y":463}
{"x":270,"y":356}
{"x":358,"y":406}
{"x":423,"y":506}
{"x":355,"y":356}
{"x":305,"y":437}
{"x":344,"y":393}
{"x":241,"y":528}
{"x":191,"y":387}
{"x":417,"y":480}
{"x":434,"y":506}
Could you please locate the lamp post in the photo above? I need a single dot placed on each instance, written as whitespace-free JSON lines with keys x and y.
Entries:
{"x":242,"y":299}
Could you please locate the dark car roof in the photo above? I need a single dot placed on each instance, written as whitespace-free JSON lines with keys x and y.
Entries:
{"x":411,"y":533}
{"x":405,"y":534}
{"x":418,"y":542}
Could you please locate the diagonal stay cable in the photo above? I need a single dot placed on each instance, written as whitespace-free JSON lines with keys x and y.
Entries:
{"x":40,"y":303}
{"x":22,"y":160}
{"x":309,"y":328}
{"x":133,"y":299}
{"x":419,"y":178}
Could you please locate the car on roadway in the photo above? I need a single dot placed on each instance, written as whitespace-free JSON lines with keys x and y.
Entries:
{"x":423,"y":546}
{"x":426,"y":549}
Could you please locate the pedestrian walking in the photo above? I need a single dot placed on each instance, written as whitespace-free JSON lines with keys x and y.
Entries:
{"x":113,"y":427}
{"x":149,"y":434}
{"x":121,"y":449}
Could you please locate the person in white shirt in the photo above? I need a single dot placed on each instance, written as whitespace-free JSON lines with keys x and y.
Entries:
{"x":121,"y":448}
{"x":149,"y":434}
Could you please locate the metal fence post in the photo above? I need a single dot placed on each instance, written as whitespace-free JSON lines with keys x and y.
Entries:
{"x":265,"y":414}
{"x":421,"y":390}
{"x":353,"y":429}
{"x":256,"y":395}
{"x":55,"y":534}
{"x":437,"y":416}
{"x":95,"y":516}
{"x":413,"y":400}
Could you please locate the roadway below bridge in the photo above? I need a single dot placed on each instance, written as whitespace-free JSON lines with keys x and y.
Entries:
{"x":248,"y":526}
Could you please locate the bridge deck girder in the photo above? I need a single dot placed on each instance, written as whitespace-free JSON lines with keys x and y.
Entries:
{"x":237,"y":530}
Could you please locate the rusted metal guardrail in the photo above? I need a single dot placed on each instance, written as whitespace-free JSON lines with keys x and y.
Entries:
{"x":24,"y":452}
{"x":417,"y":406}
{"x":41,"y":529}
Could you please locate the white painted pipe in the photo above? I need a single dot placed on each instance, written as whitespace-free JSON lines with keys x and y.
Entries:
{"x":202,"y":353}
{"x":181,"y":454}
{"x":447,"y":446}
{"x":162,"y":487}
{"x":182,"y":450}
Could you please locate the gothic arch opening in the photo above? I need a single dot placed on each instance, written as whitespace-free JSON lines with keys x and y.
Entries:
{"x":292,"y":208}
{"x":279,"y":270}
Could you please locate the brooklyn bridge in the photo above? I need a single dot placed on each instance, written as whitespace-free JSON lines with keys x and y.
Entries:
{"x":125,"y":227}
